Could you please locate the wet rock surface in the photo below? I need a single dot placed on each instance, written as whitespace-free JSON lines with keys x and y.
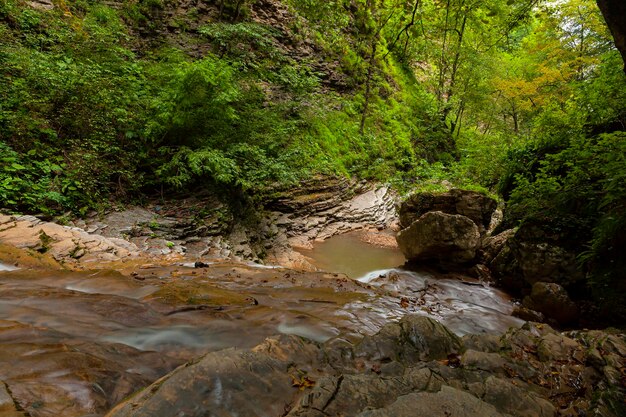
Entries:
{"x":78,"y":342}
{"x":533,"y":371}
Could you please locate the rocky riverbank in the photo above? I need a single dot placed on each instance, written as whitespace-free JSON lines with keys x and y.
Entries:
{"x":456,"y":230}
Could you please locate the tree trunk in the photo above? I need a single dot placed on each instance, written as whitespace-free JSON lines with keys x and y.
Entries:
{"x":368,"y":85}
{"x":614,"y":12}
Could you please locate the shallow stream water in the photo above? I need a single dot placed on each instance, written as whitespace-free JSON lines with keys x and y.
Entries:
{"x":74,"y":343}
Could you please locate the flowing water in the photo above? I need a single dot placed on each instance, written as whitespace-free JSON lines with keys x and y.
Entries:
{"x":74,"y":343}
{"x":464,"y":305}
{"x":4,"y":267}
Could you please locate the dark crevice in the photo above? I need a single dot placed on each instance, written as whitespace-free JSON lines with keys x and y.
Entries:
{"x":17,"y":406}
{"x":335,"y":392}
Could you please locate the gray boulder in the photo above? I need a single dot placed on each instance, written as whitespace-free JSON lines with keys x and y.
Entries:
{"x":446,"y":238}
{"x":449,"y":402}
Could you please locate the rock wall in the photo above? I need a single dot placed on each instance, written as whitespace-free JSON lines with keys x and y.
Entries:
{"x":529,"y":263}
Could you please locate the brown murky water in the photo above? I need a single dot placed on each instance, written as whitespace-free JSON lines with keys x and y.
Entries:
{"x":350,"y":255}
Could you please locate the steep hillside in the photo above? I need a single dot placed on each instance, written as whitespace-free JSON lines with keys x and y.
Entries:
{"x":104,"y":99}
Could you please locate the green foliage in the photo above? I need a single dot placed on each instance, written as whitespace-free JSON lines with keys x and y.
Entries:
{"x":243,"y":41}
{"x":579,"y":193}
{"x":571,"y":179}
{"x":68,"y":99}
{"x":197,"y":99}
{"x":244,"y":116}
{"x":26,"y":185}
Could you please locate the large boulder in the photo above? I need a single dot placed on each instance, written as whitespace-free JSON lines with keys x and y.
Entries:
{"x":476,"y":206}
{"x":553,"y":301}
{"x":529,"y":256}
{"x":446,"y":238}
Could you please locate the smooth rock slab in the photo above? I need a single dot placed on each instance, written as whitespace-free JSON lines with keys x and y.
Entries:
{"x":225,"y":383}
{"x":7,"y":405}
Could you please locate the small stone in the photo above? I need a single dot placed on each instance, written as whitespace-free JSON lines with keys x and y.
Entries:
{"x":491,"y":362}
{"x":527,"y":314}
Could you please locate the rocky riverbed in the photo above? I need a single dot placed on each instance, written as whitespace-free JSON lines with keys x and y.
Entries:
{"x":415,"y":367}
{"x":165,"y":298}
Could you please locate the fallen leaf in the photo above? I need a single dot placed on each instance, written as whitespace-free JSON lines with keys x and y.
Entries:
{"x":303,"y":382}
